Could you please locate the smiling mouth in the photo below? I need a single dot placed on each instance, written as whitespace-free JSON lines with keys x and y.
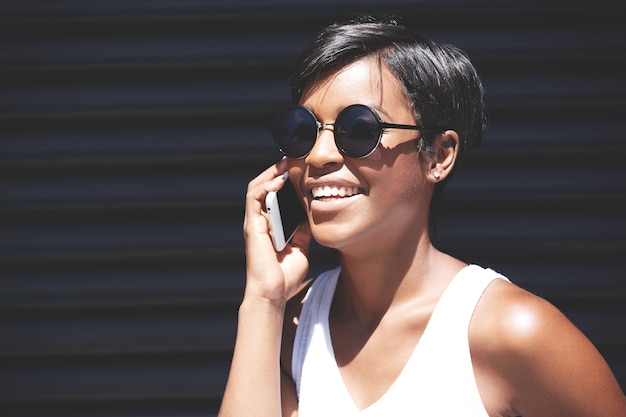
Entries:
{"x":337,"y":192}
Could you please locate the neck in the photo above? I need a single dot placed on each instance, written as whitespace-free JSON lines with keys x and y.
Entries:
{"x":373,"y":281}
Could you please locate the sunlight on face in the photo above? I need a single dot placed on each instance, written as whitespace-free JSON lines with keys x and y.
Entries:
{"x":393,"y":197}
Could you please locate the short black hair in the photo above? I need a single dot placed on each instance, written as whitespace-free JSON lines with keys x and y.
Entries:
{"x":439,"y":80}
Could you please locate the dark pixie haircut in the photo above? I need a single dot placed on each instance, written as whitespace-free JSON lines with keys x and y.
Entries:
{"x":439,"y":80}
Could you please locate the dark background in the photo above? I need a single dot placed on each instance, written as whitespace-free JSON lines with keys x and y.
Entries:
{"x":129,"y":131}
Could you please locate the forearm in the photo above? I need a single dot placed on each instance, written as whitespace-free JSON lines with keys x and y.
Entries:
{"x":253,"y":387}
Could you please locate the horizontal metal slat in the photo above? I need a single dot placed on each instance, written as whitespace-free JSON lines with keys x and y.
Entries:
{"x":124,"y":377}
{"x":119,"y":330}
{"x":180,"y":407}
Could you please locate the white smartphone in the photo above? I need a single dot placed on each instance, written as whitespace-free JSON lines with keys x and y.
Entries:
{"x":285,"y":213}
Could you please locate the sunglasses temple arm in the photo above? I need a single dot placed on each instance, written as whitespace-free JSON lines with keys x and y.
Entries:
{"x":405,"y":127}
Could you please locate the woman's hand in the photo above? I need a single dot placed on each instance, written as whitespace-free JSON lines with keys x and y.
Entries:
{"x":271,"y":275}
{"x":271,"y":279}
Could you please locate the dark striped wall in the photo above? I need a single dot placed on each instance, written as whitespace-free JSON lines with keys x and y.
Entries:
{"x":128,"y":133}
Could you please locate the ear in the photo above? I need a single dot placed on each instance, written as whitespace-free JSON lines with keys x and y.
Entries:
{"x":446,"y":151}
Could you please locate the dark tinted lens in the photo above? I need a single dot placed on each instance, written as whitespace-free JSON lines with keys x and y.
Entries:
{"x":295,"y":132}
{"x":357,"y":131}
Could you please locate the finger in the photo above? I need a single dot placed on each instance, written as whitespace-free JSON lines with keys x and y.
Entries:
{"x":261,"y":185}
{"x":257,"y":191}
{"x":256,"y":225}
{"x":270,"y":173}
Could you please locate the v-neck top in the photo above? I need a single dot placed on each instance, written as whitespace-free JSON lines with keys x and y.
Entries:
{"x":438,"y":378}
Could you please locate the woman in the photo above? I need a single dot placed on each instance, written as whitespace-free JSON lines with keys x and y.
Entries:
{"x":383,"y":120}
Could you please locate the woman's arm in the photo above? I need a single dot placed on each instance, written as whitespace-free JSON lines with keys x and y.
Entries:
{"x":549,"y":366}
{"x":255,"y":379}
{"x":253,"y":387}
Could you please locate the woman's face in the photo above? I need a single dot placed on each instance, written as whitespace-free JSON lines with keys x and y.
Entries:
{"x":381,"y":197}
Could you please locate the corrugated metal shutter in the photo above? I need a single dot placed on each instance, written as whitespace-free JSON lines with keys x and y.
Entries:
{"x":129,"y":130}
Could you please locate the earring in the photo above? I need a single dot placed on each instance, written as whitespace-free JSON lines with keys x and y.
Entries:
{"x":436,"y":175}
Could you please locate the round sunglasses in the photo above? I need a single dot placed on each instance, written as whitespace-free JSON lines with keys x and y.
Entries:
{"x":357,"y":130}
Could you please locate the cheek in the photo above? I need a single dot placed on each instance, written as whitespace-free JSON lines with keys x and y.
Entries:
{"x":376,"y":156}
{"x":401,"y":182}
{"x":295,"y":169}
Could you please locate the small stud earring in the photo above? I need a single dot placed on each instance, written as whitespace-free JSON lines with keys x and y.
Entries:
{"x":436,"y":175}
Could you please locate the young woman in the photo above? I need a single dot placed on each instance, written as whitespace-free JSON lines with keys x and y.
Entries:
{"x":383,"y":119}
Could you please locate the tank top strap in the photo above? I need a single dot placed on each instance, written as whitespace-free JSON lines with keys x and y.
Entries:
{"x":315,"y":310}
{"x":457,"y":304}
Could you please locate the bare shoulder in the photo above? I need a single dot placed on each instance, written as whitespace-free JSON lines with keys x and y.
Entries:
{"x":547,"y":365}
{"x":517,"y":317}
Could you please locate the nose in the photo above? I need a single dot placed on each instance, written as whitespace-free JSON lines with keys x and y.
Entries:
{"x":324,"y":150}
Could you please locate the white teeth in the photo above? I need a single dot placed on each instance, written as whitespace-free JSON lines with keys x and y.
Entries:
{"x":327,"y":191}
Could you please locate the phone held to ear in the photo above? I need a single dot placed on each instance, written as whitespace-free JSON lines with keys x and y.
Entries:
{"x":285,"y":213}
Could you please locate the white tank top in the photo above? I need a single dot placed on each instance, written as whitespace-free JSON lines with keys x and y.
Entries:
{"x":437,"y":380}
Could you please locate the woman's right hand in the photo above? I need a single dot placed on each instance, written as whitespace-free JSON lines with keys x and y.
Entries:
{"x":271,"y":275}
